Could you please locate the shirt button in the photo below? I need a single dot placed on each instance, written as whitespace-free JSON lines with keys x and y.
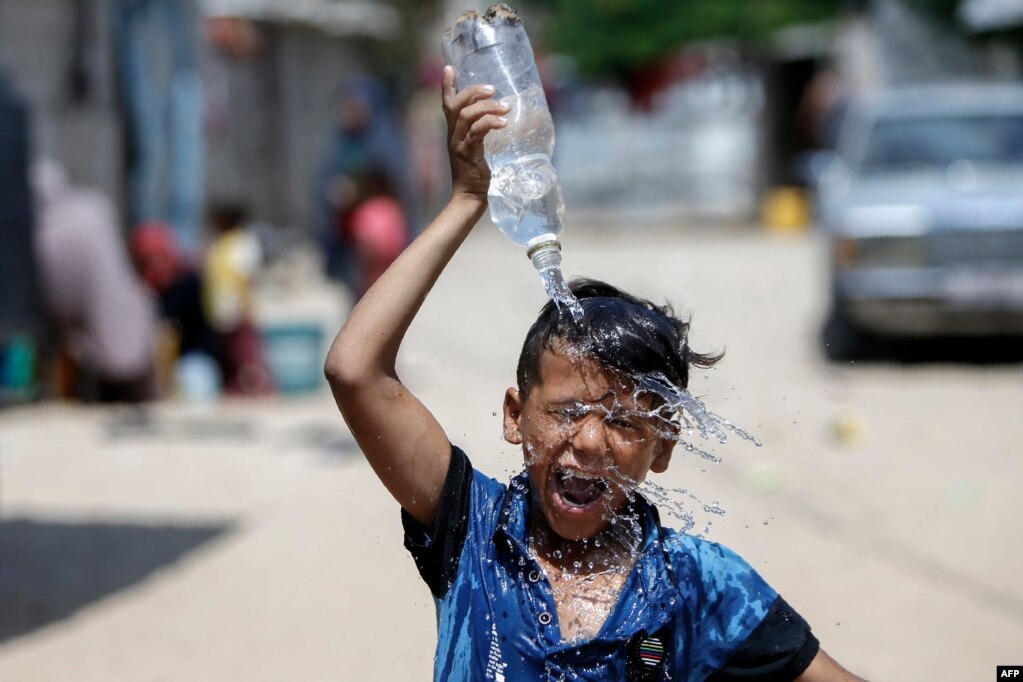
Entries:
{"x":534,"y":576}
{"x":544,"y":618}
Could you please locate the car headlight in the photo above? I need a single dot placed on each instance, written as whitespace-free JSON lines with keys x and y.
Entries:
{"x":878,"y":252}
{"x":881,"y":236}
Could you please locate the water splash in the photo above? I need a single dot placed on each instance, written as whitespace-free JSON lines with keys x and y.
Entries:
{"x":696,"y":419}
{"x":677,"y":416}
{"x":557,"y":289}
{"x":586,"y":582}
{"x":670,"y":501}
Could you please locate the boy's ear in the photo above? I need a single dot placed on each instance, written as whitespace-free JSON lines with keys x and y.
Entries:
{"x":512,"y":415}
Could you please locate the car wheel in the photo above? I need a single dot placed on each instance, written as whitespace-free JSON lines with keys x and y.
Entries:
{"x":843,"y":341}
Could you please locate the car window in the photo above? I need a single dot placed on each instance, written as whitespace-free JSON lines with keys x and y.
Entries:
{"x":908,"y":142}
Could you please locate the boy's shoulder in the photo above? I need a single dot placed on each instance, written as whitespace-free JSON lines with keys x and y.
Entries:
{"x":489,"y":491}
{"x":680,"y":543}
{"x":487,"y":499}
{"x":715,"y":565}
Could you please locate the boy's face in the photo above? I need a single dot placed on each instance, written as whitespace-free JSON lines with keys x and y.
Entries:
{"x":587,"y":440}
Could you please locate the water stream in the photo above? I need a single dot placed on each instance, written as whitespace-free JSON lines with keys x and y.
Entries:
{"x":556,"y":287}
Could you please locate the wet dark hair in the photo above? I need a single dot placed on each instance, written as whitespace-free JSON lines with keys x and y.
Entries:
{"x":622,"y":332}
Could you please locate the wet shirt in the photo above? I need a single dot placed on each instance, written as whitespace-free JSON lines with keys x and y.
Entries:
{"x":689,"y":610}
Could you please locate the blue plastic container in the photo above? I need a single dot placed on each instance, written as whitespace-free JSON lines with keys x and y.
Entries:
{"x":294,"y":354}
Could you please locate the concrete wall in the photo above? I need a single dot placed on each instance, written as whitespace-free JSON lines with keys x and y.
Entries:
{"x":37,"y":50}
{"x":698,"y":153}
{"x":914,"y":48}
{"x":267,"y":119}
{"x":270,"y":119}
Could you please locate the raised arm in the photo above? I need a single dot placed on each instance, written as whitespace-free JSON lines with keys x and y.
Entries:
{"x":402,"y":440}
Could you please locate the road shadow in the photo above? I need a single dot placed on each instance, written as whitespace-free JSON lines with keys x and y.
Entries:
{"x":49,"y":570}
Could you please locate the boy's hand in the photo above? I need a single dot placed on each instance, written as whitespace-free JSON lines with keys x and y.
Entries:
{"x":471,"y":114}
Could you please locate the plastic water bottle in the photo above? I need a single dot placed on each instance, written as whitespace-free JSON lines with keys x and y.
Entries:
{"x":525,"y":194}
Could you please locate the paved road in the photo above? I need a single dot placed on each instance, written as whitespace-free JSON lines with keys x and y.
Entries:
{"x":248,"y":541}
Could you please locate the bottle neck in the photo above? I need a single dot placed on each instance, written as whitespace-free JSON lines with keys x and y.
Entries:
{"x":545,"y":253}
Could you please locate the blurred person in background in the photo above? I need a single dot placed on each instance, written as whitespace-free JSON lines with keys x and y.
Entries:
{"x":822,"y":107}
{"x":427,"y":143}
{"x":178,"y":286}
{"x":368,"y":140}
{"x":104,"y":318}
{"x":377,"y":229}
{"x":232,"y":261}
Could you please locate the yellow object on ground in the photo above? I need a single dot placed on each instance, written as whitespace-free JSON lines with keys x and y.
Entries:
{"x":785,"y":209}
{"x":849,"y":428}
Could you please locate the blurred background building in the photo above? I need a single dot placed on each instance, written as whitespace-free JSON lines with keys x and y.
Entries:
{"x":169,"y":105}
{"x":700,"y":111}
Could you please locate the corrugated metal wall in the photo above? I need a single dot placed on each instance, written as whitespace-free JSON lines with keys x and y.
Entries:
{"x":267,"y":118}
{"x":270,"y":119}
{"x":46,"y":47}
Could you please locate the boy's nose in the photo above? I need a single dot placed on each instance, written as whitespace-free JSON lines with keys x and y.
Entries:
{"x":590,"y":436}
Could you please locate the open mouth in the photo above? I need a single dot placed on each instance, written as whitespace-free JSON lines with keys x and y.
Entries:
{"x":579,"y":489}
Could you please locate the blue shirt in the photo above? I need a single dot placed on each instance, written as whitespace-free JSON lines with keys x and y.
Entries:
{"x":686,"y":612}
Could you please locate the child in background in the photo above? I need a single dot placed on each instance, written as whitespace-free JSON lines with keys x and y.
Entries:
{"x":177,"y":285}
{"x":377,"y":229}
{"x":231,"y":262}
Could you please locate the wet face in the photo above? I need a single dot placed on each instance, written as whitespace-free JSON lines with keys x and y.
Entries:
{"x":588,"y":441}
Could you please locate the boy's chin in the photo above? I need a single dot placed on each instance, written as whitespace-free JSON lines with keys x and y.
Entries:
{"x":576,"y":525}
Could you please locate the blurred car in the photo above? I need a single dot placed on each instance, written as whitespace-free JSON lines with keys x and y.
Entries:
{"x":922,"y":206}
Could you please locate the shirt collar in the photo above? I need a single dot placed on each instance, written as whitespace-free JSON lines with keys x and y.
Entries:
{"x":514,"y":515}
{"x":653,"y":582}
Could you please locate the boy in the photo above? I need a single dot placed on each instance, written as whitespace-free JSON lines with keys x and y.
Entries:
{"x":567,"y":573}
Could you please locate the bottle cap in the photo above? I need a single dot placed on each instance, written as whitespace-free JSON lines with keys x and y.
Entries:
{"x":543,"y":241}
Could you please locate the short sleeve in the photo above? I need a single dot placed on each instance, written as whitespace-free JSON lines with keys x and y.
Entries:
{"x":779,"y":650}
{"x":748,"y":632}
{"x":436,"y":553}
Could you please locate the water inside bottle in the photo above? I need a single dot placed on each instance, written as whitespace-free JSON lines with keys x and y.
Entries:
{"x":525,"y":200}
{"x":525,"y":194}
{"x":530,"y":129}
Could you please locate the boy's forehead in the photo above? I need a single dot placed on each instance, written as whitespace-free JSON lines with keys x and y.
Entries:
{"x":570,"y":373}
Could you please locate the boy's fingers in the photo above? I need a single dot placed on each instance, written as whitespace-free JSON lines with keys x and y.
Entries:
{"x":471,"y":114}
{"x":484,"y":125}
{"x":458,"y":102}
{"x":447,"y":88}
